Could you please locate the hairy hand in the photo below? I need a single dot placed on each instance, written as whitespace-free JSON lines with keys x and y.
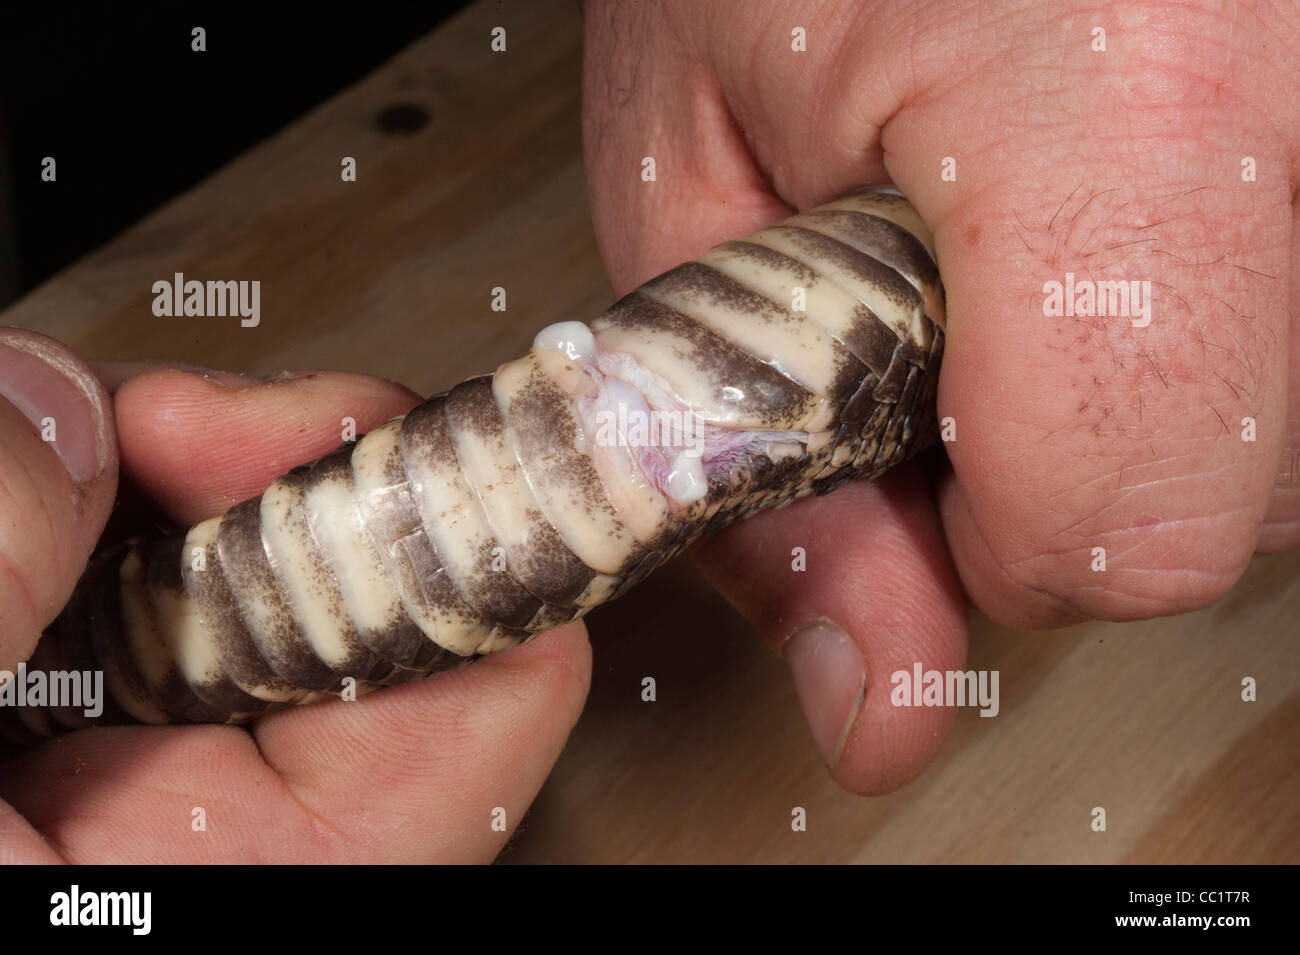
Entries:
{"x":1166,"y":439}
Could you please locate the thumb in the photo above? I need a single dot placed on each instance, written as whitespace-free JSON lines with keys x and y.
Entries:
{"x":851,"y":589}
{"x":58,"y":477}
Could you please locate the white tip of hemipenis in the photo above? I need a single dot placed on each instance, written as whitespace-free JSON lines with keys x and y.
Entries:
{"x":571,"y":339}
{"x":686,"y":482}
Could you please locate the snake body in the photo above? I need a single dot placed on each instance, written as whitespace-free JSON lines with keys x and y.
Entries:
{"x":789,"y":361}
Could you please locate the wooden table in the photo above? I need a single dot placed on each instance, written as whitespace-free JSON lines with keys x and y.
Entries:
{"x":392,"y":275}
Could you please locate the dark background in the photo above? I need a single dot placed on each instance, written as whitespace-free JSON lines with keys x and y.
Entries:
{"x":133,"y":116}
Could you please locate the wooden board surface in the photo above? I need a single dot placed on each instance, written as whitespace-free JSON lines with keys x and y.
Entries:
{"x":392,"y":275}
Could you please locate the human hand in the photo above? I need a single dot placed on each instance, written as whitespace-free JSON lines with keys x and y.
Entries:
{"x":413,"y":775}
{"x":1171,"y":445}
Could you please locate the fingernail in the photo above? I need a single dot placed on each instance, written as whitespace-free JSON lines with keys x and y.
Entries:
{"x":56,"y":393}
{"x":831,"y":682}
{"x":283,"y":376}
{"x":233,"y":380}
{"x":228,"y":378}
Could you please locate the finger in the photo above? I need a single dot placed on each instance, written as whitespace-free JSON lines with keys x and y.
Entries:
{"x":198,"y":446}
{"x":157,"y":795}
{"x":408,"y":774}
{"x":58,"y":472}
{"x":443,"y":769}
{"x":811,"y":118}
{"x":648,"y":97}
{"x":876,"y":596}
{"x":20,"y":844}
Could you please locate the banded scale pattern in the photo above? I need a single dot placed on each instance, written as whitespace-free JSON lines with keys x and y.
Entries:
{"x":805,"y":355}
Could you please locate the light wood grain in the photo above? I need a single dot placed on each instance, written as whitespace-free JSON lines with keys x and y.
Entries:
{"x":392,"y":275}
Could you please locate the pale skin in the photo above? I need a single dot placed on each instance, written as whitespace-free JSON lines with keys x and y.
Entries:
{"x":1071,"y":434}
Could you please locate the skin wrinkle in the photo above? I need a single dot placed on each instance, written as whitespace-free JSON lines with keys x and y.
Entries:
{"x":32,"y":483}
{"x":1136,"y":548}
{"x":87,"y":772}
{"x":750,"y":131}
{"x":1097,"y":515}
{"x":1213,"y":575}
{"x":23,"y":591}
{"x":1067,"y":551}
{"x":740,"y":137}
{"x":1109,"y":475}
{"x":1163,"y":603}
{"x":1061,"y":604}
{"x":56,"y":543}
{"x":1103,"y":480}
{"x":1283,"y":527}
{"x":1146,"y":540}
{"x":841,"y":136}
{"x":315,"y":819}
{"x":1144,"y":607}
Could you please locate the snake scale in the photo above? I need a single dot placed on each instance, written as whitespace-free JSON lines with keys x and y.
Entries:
{"x":774,"y":366}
